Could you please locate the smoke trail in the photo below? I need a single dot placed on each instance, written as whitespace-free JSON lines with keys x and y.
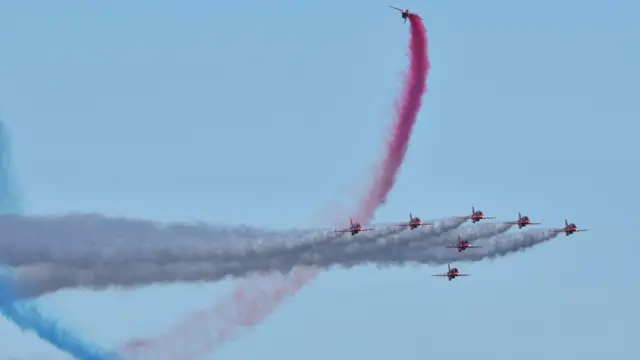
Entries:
{"x":249,"y":303}
{"x":185,"y":266}
{"x":25,"y":315}
{"x":28,"y":317}
{"x":10,"y":198}
{"x":492,"y":248}
{"x":209,"y":261}
{"x":87,"y":240}
{"x":416,"y":85}
{"x":40,"y":279}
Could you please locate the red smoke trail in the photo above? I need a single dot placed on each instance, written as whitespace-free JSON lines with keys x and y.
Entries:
{"x":416,"y":85}
{"x":254,"y":300}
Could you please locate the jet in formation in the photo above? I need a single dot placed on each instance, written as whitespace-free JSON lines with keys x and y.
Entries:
{"x":569,"y":228}
{"x":405,"y":13}
{"x":452,"y":273}
{"x":463,"y":245}
{"x":475,"y":216}
{"x":414,"y":222}
{"x":522,"y":221}
{"x":354,"y":228}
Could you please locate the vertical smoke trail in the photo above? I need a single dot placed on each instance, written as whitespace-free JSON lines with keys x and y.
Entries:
{"x":25,"y":315}
{"x":251,"y":303}
{"x":415,"y":87}
{"x":10,"y":199}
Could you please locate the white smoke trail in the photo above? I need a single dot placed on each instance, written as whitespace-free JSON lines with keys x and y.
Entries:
{"x":138,"y":272}
{"x":87,"y":241}
{"x":84,"y":239}
{"x":491,"y":248}
{"x":41,"y":279}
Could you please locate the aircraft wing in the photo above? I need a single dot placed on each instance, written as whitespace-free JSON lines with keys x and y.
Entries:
{"x":565,"y":230}
{"x":440,"y":275}
{"x":393,"y":7}
{"x":463,"y":275}
{"x":488,"y":217}
{"x":468,"y":217}
{"x":517,"y":222}
{"x":409,"y":224}
{"x":473,"y":247}
{"x":369,"y":229}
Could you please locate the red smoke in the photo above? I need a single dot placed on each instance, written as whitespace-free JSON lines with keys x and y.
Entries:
{"x":416,"y":85}
{"x":255,"y":299}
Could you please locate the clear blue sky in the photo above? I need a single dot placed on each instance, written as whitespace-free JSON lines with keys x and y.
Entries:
{"x":270,"y":111}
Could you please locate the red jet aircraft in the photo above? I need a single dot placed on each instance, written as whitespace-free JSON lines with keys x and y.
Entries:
{"x":405,"y":13}
{"x":353,"y":229}
{"x":522,"y":221}
{"x":452,"y":273}
{"x":475,"y":216}
{"x":414,"y":222}
{"x":569,"y":228}
{"x":462,"y":245}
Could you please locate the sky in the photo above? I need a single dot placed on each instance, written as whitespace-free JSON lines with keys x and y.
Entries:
{"x":273,"y":113}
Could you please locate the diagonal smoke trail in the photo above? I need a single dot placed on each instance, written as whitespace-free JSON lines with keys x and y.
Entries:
{"x":434,"y":237}
{"x":492,"y":248}
{"x":25,"y":315}
{"x":258,"y":303}
{"x":28,"y":317}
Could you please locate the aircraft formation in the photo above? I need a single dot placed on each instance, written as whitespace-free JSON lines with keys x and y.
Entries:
{"x":461,"y":245}
{"x":475,"y":216}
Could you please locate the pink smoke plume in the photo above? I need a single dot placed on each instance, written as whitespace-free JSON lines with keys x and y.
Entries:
{"x":416,"y":85}
{"x":255,"y":299}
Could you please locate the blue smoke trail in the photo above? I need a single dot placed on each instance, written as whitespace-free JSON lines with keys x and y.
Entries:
{"x":24,"y":314}
{"x":11,"y":201}
{"x":28,"y":317}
